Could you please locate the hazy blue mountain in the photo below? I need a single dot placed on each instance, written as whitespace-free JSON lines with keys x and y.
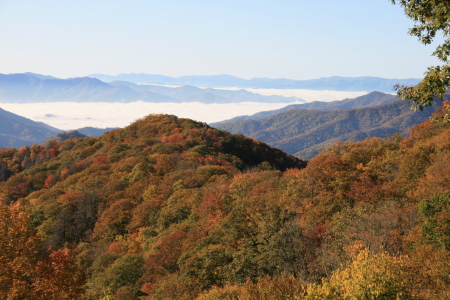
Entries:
{"x":136,"y":87}
{"x":45,"y":125}
{"x":368,"y":100}
{"x":243,"y":95}
{"x":17,"y":131}
{"x":40,"y":76}
{"x":136,"y":78}
{"x":336,"y":83}
{"x":212,"y":81}
{"x":189,"y":93}
{"x":305,"y":132}
{"x":28,"y":88}
{"x":93,"y":131}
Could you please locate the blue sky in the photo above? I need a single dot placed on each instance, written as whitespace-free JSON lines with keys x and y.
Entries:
{"x":294,"y":39}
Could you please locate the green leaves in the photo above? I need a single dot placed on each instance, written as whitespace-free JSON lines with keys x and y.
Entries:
{"x":431,"y":18}
{"x":435,"y":215}
{"x":433,"y":85}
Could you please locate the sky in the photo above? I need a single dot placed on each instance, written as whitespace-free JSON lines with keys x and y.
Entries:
{"x":296,"y":39}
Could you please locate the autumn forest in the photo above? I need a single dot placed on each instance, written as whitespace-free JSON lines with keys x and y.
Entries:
{"x":169,"y":208}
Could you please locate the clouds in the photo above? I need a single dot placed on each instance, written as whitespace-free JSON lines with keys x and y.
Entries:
{"x":73,"y":115}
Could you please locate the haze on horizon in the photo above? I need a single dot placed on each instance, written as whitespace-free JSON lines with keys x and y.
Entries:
{"x":295,"y":39}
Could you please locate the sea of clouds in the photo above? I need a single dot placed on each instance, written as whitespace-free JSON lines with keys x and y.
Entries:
{"x":73,"y":115}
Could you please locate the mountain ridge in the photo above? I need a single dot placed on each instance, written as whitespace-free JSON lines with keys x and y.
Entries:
{"x":371,"y":99}
{"x":29,"y":87}
{"x":336,"y":83}
{"x":299,"y":131}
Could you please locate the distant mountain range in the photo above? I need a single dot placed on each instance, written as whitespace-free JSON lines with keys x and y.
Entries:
{"x":29,"y":88}
{"x":305,"y":132}
{"x":189,"y":93}
{"x":336,"y":83}
{"x":300,"y":129}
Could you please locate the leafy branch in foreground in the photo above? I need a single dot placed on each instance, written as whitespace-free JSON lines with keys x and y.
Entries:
{"x":431,"y":18}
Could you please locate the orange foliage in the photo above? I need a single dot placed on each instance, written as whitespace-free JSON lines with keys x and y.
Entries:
{"x":58,"y":277}
{"x":117,"y":247}
{"x":173,"y":138}
{"x":65,"y":173}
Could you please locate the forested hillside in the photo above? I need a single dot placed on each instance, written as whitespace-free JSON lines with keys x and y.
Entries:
{"x":168,"y":208}
{"x":368,"y":100}
{"x":304,"y":132}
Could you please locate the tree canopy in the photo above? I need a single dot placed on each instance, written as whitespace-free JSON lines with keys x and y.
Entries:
{"x":169,"y":208}
{"x":431,"y":17}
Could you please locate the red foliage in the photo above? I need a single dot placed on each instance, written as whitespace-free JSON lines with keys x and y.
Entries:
{"x":20,"y":190}
{"x":210,"y":209}
{"x":58,"y":276}
{"x":100,"y":160}
{"x":173,"y":138}
{"x":366,"y":190}
{"x":53,"y":152}
{"x":81,"y":165}
{"x":165,"y":259}
{"x":148,"y":287}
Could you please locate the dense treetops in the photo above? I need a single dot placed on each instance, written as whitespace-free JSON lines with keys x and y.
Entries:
{"x":169,"y":208}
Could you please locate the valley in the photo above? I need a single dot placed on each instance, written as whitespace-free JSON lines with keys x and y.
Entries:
{"x":171,"y":208}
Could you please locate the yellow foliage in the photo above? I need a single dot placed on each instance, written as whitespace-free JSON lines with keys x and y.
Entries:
{"x":280,"y":288}
{"x":369,"y":276}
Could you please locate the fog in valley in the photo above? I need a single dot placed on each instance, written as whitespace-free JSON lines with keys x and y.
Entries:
{"x":72,"y":115}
